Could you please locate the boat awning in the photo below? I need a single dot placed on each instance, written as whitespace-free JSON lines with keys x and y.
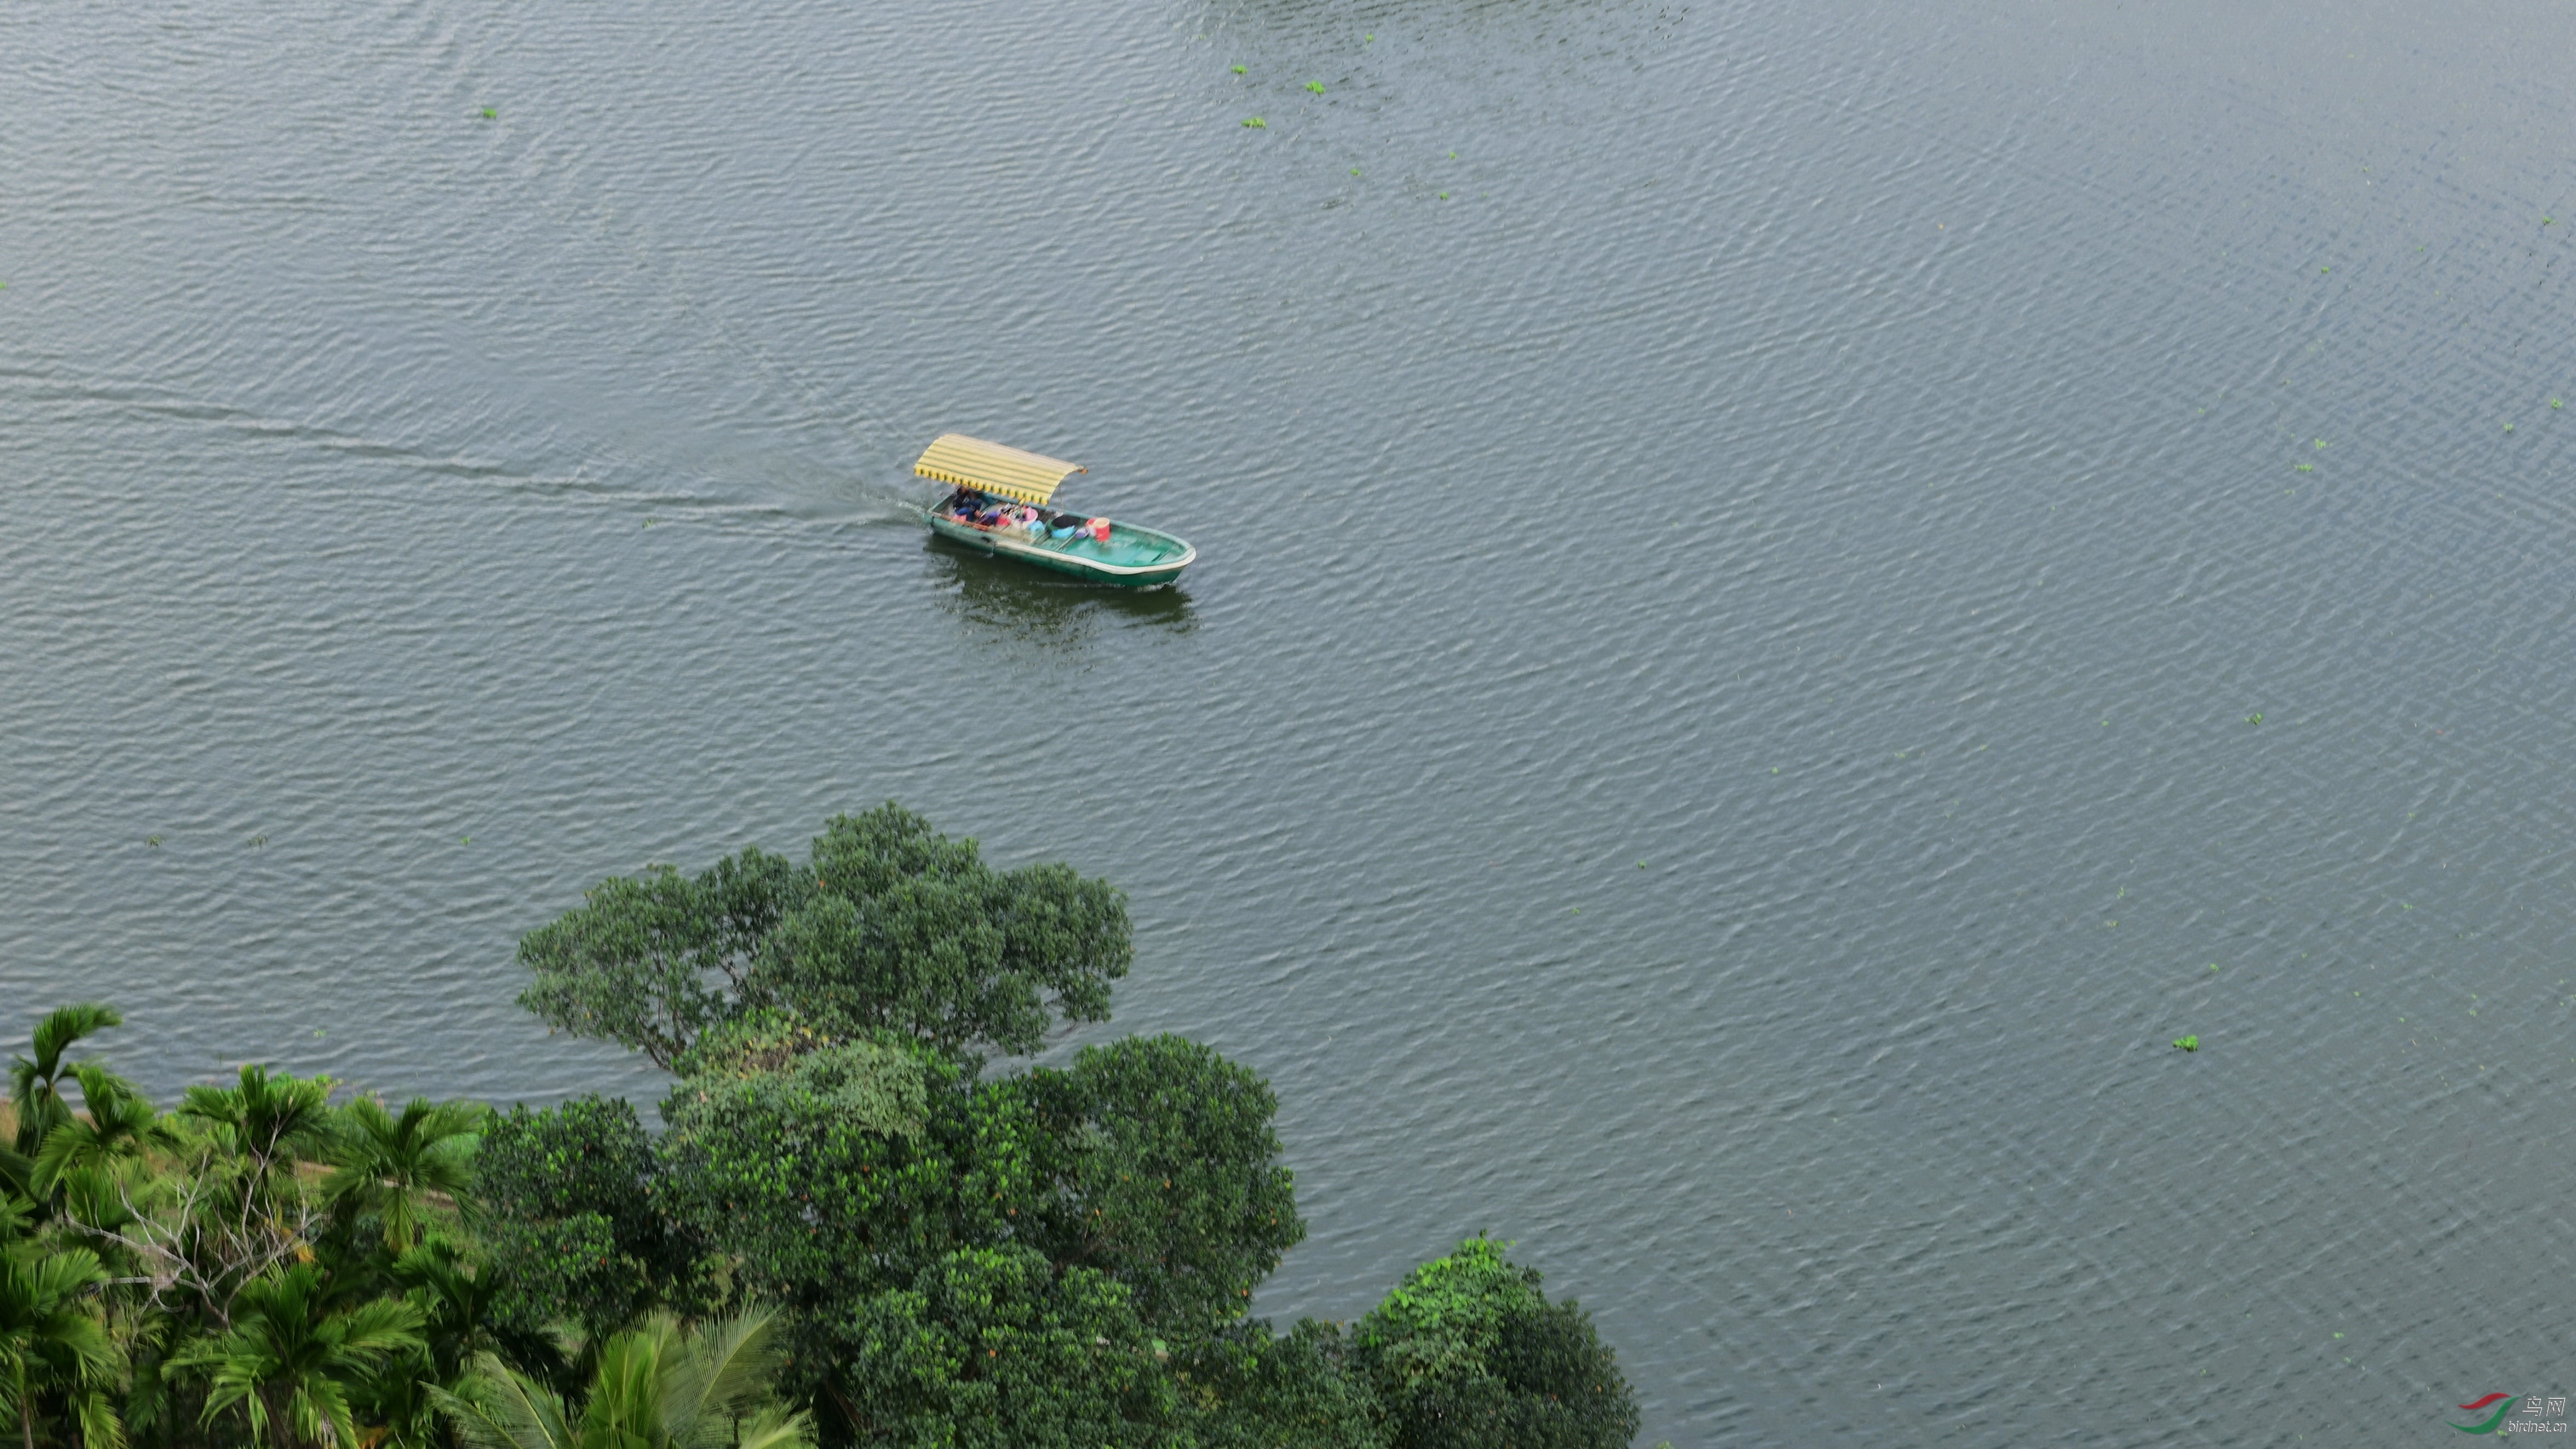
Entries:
{"x":993,"y":468}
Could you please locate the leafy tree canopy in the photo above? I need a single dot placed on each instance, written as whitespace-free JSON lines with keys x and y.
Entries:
{"x":915,"y":1254}
{"x":992,"y":1348}
{"x":1467,"y":1353}
{"x":1249,"y":1388}
{"x":572,"y":1212}
{"x":1161,"y":1168}
{"x":890,"y":926}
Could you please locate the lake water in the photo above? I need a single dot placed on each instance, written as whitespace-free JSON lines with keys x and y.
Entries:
{"x":1715,"y":732}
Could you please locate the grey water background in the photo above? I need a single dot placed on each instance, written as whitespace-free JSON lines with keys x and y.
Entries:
{"x":1713,"y":735}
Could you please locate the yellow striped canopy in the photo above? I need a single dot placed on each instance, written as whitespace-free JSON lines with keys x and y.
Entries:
{"x":993,"y":468}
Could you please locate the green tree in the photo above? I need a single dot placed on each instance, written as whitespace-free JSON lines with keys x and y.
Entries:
{"x":1250,"y":1388}
{"x":1162,"y":1170}
{"x":458,"y":1323}
{"x":1467,"y":1353}
{"x":54,"y":1345}
{"x":269,"y":1121}
{"x":388,"y":1162}
{"x":1058,"y":1259}
{"x":891,"y":926}
{"x":35,"y":1083}
{"x":653,"y":960}
{"x":570,"y":1210}
{"x":290,"y":1362}
{"x":849,"y":1181}
{"x":844,"y":1171}
{"x":659,"y":1386}
{"x":115,"y":1126}
{"x":993,"y":1349}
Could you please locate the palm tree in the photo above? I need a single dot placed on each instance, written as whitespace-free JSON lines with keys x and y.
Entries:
{"x":117,"y":1126}
{"x":266,"y":1118}
{"x":659,"y":1386}
{"x":35,"y":1085}
{"x":288,"y":1366}
{"x":52,"y":1341}
{"x":388,"y":1162}
{"x":457,"y":1322}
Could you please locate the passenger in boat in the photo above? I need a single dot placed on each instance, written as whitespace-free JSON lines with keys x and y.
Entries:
{"x":961,"y":504}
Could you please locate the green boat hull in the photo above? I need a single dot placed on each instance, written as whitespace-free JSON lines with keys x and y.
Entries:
{"x":1135,"y":558}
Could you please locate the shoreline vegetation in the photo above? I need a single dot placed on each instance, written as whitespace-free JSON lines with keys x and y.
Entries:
{"x":850,"y":1231}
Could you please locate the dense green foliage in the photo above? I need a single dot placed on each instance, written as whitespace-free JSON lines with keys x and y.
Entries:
{"x":1467,"y":1351}
{"x":847,"y":1233}
{"x":570,"y":1214}
{"x":890,"y":927}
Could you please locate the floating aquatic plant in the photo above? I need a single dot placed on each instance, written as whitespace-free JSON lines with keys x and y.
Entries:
{"x":153,"y":840}
{"x":1444,"y":196}
{"x":2255,"y":718}
{"x":2508,"y":427}
{"x":2553,"y":402}
{"x":2307,"y":467}
{"x":1238,"y":70}
{"x":1355,"y":171}
{"x":1256,"y":123}
{"x":2188,"y":1043}
{"x":490,"y":114}
{"x":1316,"y":86}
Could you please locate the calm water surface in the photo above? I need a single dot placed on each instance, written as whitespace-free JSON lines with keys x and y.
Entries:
{"x":1715,"y":732}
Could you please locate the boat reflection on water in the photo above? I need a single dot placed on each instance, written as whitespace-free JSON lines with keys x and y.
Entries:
{"x":1014,"y":599}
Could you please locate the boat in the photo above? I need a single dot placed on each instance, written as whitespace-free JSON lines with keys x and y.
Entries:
{"x":1100,"y":549}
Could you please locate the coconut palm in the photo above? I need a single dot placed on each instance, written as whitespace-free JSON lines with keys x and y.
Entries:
{"x":35,"y":1084}
{"x":659,"y":1386}
{"x":388,"y":1162}
{"x":52,"y":1342}
{"x":287,"y":1366}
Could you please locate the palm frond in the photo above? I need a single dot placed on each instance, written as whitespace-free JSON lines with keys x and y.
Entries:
{"x":380,"y":1326}
{"x":776,"y":1428}
{"x":500,"y":1408}
{"x":737,"y":1358}
{"x":100,"y":1428}
{"x":322,"y":1414}
{"x":629,"y":1388}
